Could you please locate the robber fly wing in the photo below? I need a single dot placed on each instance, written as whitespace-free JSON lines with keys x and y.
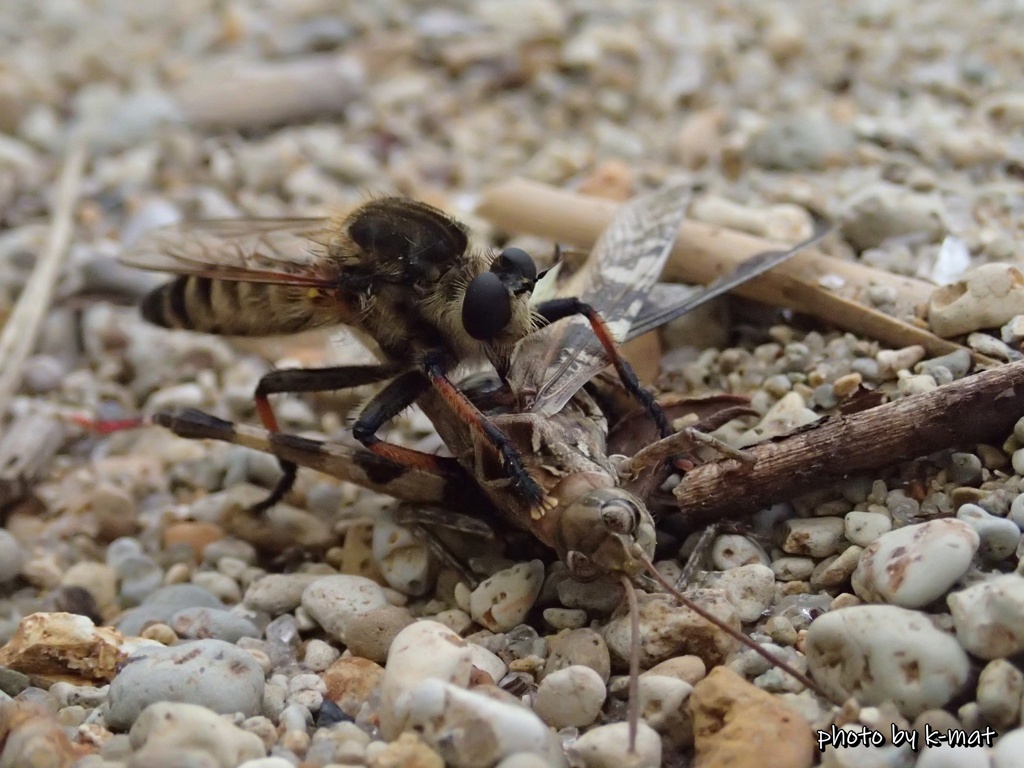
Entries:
{"x":662,"y":307}
{"x":551,"y":365}
{"x":289,"y":251}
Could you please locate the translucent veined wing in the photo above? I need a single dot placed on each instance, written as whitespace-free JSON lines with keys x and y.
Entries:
{"x":288,"y":251}
{"x":552,"y":364}
{"x":667,"y":302}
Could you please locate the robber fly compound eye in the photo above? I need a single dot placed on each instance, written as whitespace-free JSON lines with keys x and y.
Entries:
{"x":518,"y":261}
{"x":620,"y":516}
{"x":487,"y":307}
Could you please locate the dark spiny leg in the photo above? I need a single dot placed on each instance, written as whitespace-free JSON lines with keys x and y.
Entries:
{"x":556,"y":309}
{"x":307,"y":380}
{"x":525,"y":485}
{"x":389,"y":402}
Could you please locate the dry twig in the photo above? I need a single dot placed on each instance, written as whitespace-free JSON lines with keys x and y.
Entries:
{"x":704,"y":252}
{"x":22,"y":327}
{"x":258,"y":94}
{"x":978,"y":409}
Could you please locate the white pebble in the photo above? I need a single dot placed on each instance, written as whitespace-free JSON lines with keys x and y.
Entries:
{"x":792,"y":568}
{"x":892,"y":361}
{"x":986,"y":297}
{"x":1000,"y":688}
{"x":502,"y":601}
{"x":999,"y":536}
{"x":607,"y":746}
{"x":862,"y":528}
{"x":732,"y":550}
{"x":880,"y":653}
{"x":1017,"y":460}
{"x":663,"y":706}
{"x":469,"y":728}
{"x":403,"y":559}
{"x":335,"y":601}
{"x":815,"y":536}
{"x":750,"y":588}
{"x":946,"y":756}
{"x":423,"y":650}
{"x":989,"y":617}
{"x":1009,"y":750}
{"x":915,"y":565}
{"x":570,"y":697}
{"x":488,"y":662}
{"x":789,"y":413}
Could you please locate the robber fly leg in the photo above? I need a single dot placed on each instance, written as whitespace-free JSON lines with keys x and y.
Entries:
{"x":306,"y":380}
{"x":388,"y":403}
{"x":556,"y":309}
{"x":525,"y":485}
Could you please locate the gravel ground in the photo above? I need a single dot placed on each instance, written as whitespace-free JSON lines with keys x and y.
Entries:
{"x":143,"y":630}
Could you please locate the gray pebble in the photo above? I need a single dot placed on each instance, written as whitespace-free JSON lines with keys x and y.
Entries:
{"x":12,"y":557}
{"x":999,"y":536}
{"x":229,"y":547}
{"x":957,"y":363}
{"x":217,"y":623}
{"x":601,"y":596}
{"x":210,"y":673}
{"x":1017,"y":511}
{"x":965,"y":469}
{"x":163,"y":603}
{"x":800,"y":142}
{"x":883,"y":210}
{"x":140,"y":576}
{"x":278,"y":593}
{"x":12,"y":682}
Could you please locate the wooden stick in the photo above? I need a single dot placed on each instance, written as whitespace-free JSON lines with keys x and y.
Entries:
{"x":252,"y":95}
{"x":978,"y":409}
{"x":704,"y":252}
{"x":22,"y":327}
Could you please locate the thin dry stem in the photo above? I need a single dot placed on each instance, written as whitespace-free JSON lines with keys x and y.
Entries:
{"x":22,"y":327}
{"x":633,"y":711}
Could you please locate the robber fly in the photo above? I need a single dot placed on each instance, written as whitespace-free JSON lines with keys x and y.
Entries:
{"x":403,"y":275}
{"x":596,"y":526}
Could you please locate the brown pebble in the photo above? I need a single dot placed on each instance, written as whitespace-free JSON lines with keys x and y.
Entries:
{"x":32,"y":738}
{"x":737,"y":725}
{"x":161,"y":633}
{"x":370,"y":637}
{"x":197,"y":535}
{"x":349,"y":682}
{"x":690,"y":669}
{"x":578,"y":646}
{"x":407,"y":751}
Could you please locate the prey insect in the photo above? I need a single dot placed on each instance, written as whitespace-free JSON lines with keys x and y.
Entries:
{"x":596,"y":526}
{"x":401,"y":273}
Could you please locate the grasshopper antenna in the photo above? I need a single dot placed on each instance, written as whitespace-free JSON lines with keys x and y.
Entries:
{"x":735,"y":634}
{"x":633,"y":710}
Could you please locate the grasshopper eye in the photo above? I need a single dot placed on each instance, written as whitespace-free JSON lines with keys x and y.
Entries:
{"x":518,"y":261}
{"x":581,"y":567}
{"x":487,"y":307}
{"x":620,"y":516}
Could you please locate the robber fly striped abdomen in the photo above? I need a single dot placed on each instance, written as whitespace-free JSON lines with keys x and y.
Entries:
{"x":400,"y":272}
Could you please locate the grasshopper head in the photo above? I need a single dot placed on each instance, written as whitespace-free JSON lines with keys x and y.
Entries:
{"x":607,"y":530}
